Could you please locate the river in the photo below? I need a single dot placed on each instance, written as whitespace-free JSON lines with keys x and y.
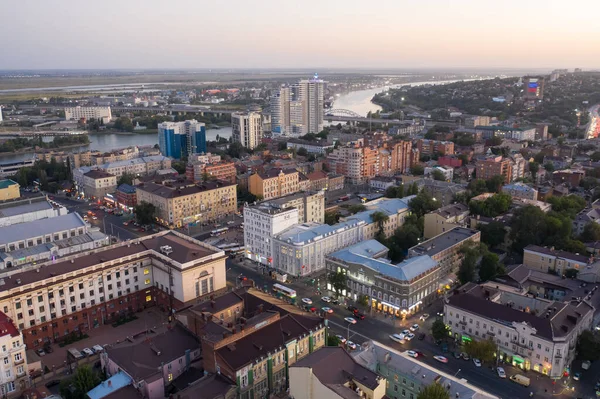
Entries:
{"x":357,"y":101}
{"x":110,"y":141}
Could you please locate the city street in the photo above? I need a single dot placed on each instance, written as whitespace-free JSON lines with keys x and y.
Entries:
{"x":377,"y":327}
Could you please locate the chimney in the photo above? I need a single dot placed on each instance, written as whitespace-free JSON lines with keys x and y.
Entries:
{"x":109,"y":383}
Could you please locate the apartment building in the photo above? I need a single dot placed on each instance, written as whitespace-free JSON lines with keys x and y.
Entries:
{"x":396,"y":210}
{"x":446,"y":172}
{"x":492,"y":166}
{"x":431,"y":147}
{"x":85,"y":290}
{"x":152,"y":363}
{"x":312,"y":377}
{"x":407,"y":376}
{"x":28,"y":209}
{"x":475,"y":121}
{"x":442,"y":191}
{"x":261,"y":223}
{"x":550,"y":260}
{"x":445,"y":219}
{"x":247,"y":129}
{"x":185,"y":202}
{"x":521,"y":190}
{"x":137,"y":166}
{"x":126,"y":196}
{"x":223,"y":170}
{"x":310,"y":205}
{"x":252,"y":339}
{"x":357,"y":163}
{"x":445,"y":248}
{"x":182,"y":139}
{"x":514,"y":133}
{"x":530,"y":333}
{"x":300,"y":250}
{"x":95,"y":183}
{"x":382,"y":182}
{"x":274,"y":183}
{"x":398,"y":290}
{"x":100,"y":113}
{"x":570,"y":177}
{"x":9,"y":190}
{"x":14,"y":375}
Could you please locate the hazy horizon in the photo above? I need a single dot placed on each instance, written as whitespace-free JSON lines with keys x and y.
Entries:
{"x":331,"y":34}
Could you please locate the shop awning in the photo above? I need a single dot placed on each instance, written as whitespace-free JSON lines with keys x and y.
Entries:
{"x":518,"y":359}
{"x":390,"y":305}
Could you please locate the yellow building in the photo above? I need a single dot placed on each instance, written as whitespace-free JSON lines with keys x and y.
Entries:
{"x":9,"y":190}
{"x":181,"y":203}
{"x":548,"y":259}
{"x":331,"y":373}
{"x":445,"y":219}
{"x":274,"y":183}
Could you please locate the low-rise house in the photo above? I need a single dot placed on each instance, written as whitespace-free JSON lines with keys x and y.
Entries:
{"x":550,"y":260}
{"x":520,"y":190}
{"x":444,"y":219}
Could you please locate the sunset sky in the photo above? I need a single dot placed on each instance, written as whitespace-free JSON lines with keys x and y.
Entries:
{"x":45,"y":34}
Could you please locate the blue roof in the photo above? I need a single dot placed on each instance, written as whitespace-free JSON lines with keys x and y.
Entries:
{"x":518,"y":187}
{"x":302,"y":233}
{"x":105,"y":388}
{"x":126,"y":188}
{"x":389,"y":206}
{"x":363,"y":252}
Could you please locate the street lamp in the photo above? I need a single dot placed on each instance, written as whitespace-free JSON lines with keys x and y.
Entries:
{"x":457,"y":372}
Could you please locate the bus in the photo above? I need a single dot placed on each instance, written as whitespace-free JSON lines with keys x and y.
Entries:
{"x":290,"y":293}
{"x":235,"y":250}
{"x":228,"y":246}
{"x":219,"y":232}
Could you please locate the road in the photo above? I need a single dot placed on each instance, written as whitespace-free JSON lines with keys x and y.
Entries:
{"x":376,"y":327}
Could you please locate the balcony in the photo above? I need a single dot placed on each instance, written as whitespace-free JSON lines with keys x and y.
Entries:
{"x":20,"y":361}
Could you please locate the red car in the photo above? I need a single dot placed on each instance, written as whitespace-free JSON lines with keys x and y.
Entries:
{"x":359,"y":316}
{"x":313,"y":309}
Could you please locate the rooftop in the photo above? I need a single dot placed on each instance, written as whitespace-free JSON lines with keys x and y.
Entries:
{"x":308,"y":232}
{"x":452,"y":210}
{"x":267,"y":339}
{"x":185,"y":249}
{"x":7,"y":327}
{"x":36,"y":228}
{"x":518,"y":187}
{"x":389,"y":206}
{"x":378,"y":354}
{"x":144,"y":357}
{"x":211,"y":386}
{"x":111,"y":385}
{"x":126,"y":188}
{"x":21,"y":207}
{"x":181,"y":189}
{"x":98,"y":174}
{"x":363,"y":252}
{"x":334,"y":367}
{"x":443,"y":241}
{"x":557,"y":253}
{"x":274,"y":172}
{"x":5,"y":183}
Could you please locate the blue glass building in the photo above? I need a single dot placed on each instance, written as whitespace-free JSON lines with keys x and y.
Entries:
{"x":180,"y":139}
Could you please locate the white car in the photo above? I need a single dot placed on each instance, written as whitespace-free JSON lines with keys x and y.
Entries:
{"x":350,"y":320}
{"x":414,"y":327}
{"x":307,"y":301}
{"x":342,"y":339}
{"x":409,"y":336}
{"x":424,"y":316}
{"x":95,"y":217}
{"x":477,"y":362}
{"x":351,"y":345}
{"x":97,"y":348}
{"x":326,"y":299}
{"x":397,"y":338}
{"x":441,"y":359}
{"x":412,"y":354}
{"x":327,"y":309}
{"x":88,"y":351}
{"x":501,"y":372}
{"x":405,"y":332}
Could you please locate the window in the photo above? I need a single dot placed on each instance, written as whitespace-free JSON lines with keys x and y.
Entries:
{"x":18,"y":357}
{"x":20,"y":370}
{"x":7,"y":373}
{"x":16,"y":344}
{"x":6,"y":361}
{"x":18,"y":305}
{"x":146,"y":271}
{"x":29,"y":302}
{"x":147,"y":281}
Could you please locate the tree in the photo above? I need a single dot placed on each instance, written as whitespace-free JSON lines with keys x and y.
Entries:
{"x":490,"y":267}
{"x":124,"y":123}
{"x":528,"y":226}
{"x":356,"y":208}
{"x":423,"y":203}
{"x":126,"y":178}
{"x":549,"y":167}
{"x":491,"y":207}
{"x":83,"y":380}
{"x":439,"y":330}
{"x":493,"y":233}
{"x":332,"y":217}
{"x":569,"y":205}
{"x":438,"y":175}
{"x":380,"y":218}
{"x":434,"y":391}
{"x":591,"y":232}
{"x":417,"y":170}
{"x":571,"y":273}
{"x":338,"y":282}
{"x":145,"y":213}
{"x":483,"y":350}
{"x":363,"y":300}
{"x":494,"y":185}
{"x":332,"y":340}
{"x":477,"y":187}
{"x":302,"y":152}
{"x":534,"y":167}
{"x":391,"y":192}
{"x":595,"y":156}
{"x":236,"y":150}
{"x":588,"y":346}
{"x":282,"y":146}
{"x":179,"y":166}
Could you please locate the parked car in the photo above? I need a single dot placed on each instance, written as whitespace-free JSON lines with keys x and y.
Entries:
{"x":501,"y":372}
{"x":577,"y":376}
{"x":405,"y":332}
{"x":40,"y":352}
{"x":353,"y":309}
{"x":335,"y":301}
{"x":342,"y":339}
{"x":326,"y":299}
{"x":457,"y":355}
{"x":350,"y":345}
{"x":307,"y":301}
{"x":97,"y":348}
{"x":424,"y":316}
{"x":88,"y":351}
{"x":359,"y":316}
{"x":477,"y":362}
{"x":409,"y":336}
{"x":412,"y":354}
{"x":465,"y":356}
{"x":397,"y":338}
{"x":414,"y":327}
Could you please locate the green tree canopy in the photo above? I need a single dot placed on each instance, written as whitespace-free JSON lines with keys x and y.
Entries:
{"x":490,"y":267}
{"x":483,"y":350}
{"x":493,"y":233}
{"x":591,"y":232}
{"x":434,"y":391}
{"x":302,"y":151}
{"x":332,"y":217}
{"x":588,"y":346}
{"x":423,"y":203}
{"x":83,"y":380}
{"x":438,"y":175}
{"x":492,"y":206}
{"x":356,"y":208}
{"x":145,"y":213}
{"x":179,"y":166}
{"x":439,"y":330}
{"x":126,"y":178}
{"x":338,"y":282}
{"x":417,"y":170}
{"x":534,"y":167}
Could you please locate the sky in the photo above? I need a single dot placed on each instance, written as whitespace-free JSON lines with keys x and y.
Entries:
{"x":179,"y":34}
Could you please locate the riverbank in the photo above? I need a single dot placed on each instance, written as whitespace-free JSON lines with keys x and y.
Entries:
{"x":32,"y":150}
